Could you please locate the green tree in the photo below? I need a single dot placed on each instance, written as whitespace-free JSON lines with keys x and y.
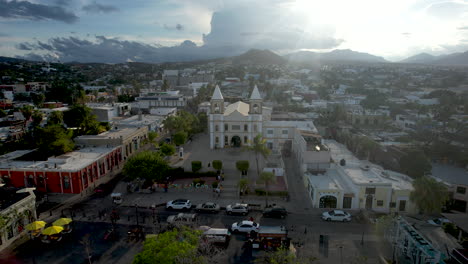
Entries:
{"x":38,"y":99}
{"x":258,"y":146}
{"x":243,"y":185}
{"x":243,"y":166}
{"x":415,"y":164}
{"x":429,"y":195}
{"x":80,"y":116}
{"x":165,"y":86}
{"x":55,"y":118}
{"x":180,"y":138}
{"x":171,"y":247}
{"x":152,"y":136}
{"x":217,"y":164}
{"x":54,"y":140}
{"x":37,"y":117}
{"x":267,"y":178}
{"x":148,"y":165}
{"x":196,"y":165}
{"x":281,"y":256}
{"x":167,"y":149}
{"x":27,"y":112}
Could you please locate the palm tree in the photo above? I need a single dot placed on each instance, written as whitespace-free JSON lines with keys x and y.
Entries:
{"x":258,"y":145}
{"x":429,"y":195}
{"x":267,"y":178}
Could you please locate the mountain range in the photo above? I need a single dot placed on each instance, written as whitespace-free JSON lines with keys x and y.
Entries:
{"x":458,"y":59}
{"x":334,"y":55}
{"x":267,"y":57}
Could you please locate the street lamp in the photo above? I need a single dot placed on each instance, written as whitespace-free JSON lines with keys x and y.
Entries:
{"x":136,"y":212}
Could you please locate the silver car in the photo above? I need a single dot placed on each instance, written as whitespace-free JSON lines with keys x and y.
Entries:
{"x":208,"y":207}
{"x":237,"y":208}
{"x":182,"y":219}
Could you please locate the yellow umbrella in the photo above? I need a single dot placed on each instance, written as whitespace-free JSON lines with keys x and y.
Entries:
{"x":52,"y":230}
{"x":35,"y":225}
{"x":62,"y":221}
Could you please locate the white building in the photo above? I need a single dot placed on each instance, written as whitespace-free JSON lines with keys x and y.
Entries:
{"x":358,"y":184}
{"x":17,"y":209}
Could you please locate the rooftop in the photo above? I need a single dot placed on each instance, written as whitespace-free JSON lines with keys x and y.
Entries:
{"x":238,"y":106}
{"x":217,"y":94}
{"x":301,"y":125}
{"x":9,"y":196}
{"x":124,"y":132}
{"x":450,"y":174}
{"x":363,"y":172}
{"x":70,"y":161}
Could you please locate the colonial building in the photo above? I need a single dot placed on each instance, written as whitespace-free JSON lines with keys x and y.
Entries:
{"x":17,"y":209}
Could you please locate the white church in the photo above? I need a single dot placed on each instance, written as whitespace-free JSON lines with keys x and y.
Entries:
{"x":237,"y":124}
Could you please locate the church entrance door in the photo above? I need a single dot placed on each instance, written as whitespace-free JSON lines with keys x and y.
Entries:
{"x":235,"y":141}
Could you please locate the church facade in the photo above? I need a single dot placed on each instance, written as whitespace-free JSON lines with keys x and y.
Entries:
{"x":235,"y":125}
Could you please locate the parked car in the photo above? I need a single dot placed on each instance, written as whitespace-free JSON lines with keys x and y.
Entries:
{"x":208,"y":207}
{"x":276,"y":211}
{"x":101,"y":188}
{"x":438,"y":221}
{"x":179,"y":204}
{"x":336,"y":215}
{"x":182,"y":219}
{"x":237,"y":208}
{"x":245,"y":227}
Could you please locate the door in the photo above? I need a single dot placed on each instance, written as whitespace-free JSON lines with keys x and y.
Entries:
{"x":369,"y":200}
{"x":402,"y":206}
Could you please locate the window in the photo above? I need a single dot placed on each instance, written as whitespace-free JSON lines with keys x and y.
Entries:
{"x":270,"y":145}
{"x":270,"y":131}
{"x":347,"y":202}
{"x":461,"y":190}
{"x":284,"y":132}
{"x":245,"y":139}
{"x":226,"y":140}
{"x":379,"y":202}
{"x":217,"y":140}
{"x":236,"y":127}
{"x":392,"y":205}
{"x":226,"y":127}
{"x":66,"y":182}
{"x":246,"y":128}
{"x":216,"y":128}
{"x":370,"y":190}
{"x":10,"y":231}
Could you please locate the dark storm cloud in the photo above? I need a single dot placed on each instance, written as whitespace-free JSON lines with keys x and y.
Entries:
{"x":260,"y":27}
{"x":62,"y":2}
{"x":98,"y":8}
{"x":178,"y":27}
{"x":24,"y":46}
{"x":113,"y":50}
{"x":31,"y":11}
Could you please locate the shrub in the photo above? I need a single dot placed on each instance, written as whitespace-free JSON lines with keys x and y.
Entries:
{"x":198,"y":181}
{"x":261,"y":192}
{"x":180,"y":138}
{"x":167,"y":149}
{"x":196,"y":165}
{"x":214,"y":185}
{"x":243,"y":166}
{"x":217,"y":165}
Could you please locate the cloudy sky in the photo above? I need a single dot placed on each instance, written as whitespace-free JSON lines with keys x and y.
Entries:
{"x":138,"y":30}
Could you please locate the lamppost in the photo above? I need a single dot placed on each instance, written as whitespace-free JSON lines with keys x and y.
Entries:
{"x":341,"y":253}
{"x":136,"y":212}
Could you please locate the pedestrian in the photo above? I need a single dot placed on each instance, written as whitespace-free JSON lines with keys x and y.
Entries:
{"x":209,"y":164}
{"x":218,"y":178}
{"x":222,"y":176}
{"x":251,"y":219}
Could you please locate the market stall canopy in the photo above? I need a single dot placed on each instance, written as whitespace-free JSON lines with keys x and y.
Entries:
{"x":52,"y":230}
{"x":62,"y":221}
{"x":35,"y":225}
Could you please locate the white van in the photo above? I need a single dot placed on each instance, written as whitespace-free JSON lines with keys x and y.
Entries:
{"x":217,"y":236}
